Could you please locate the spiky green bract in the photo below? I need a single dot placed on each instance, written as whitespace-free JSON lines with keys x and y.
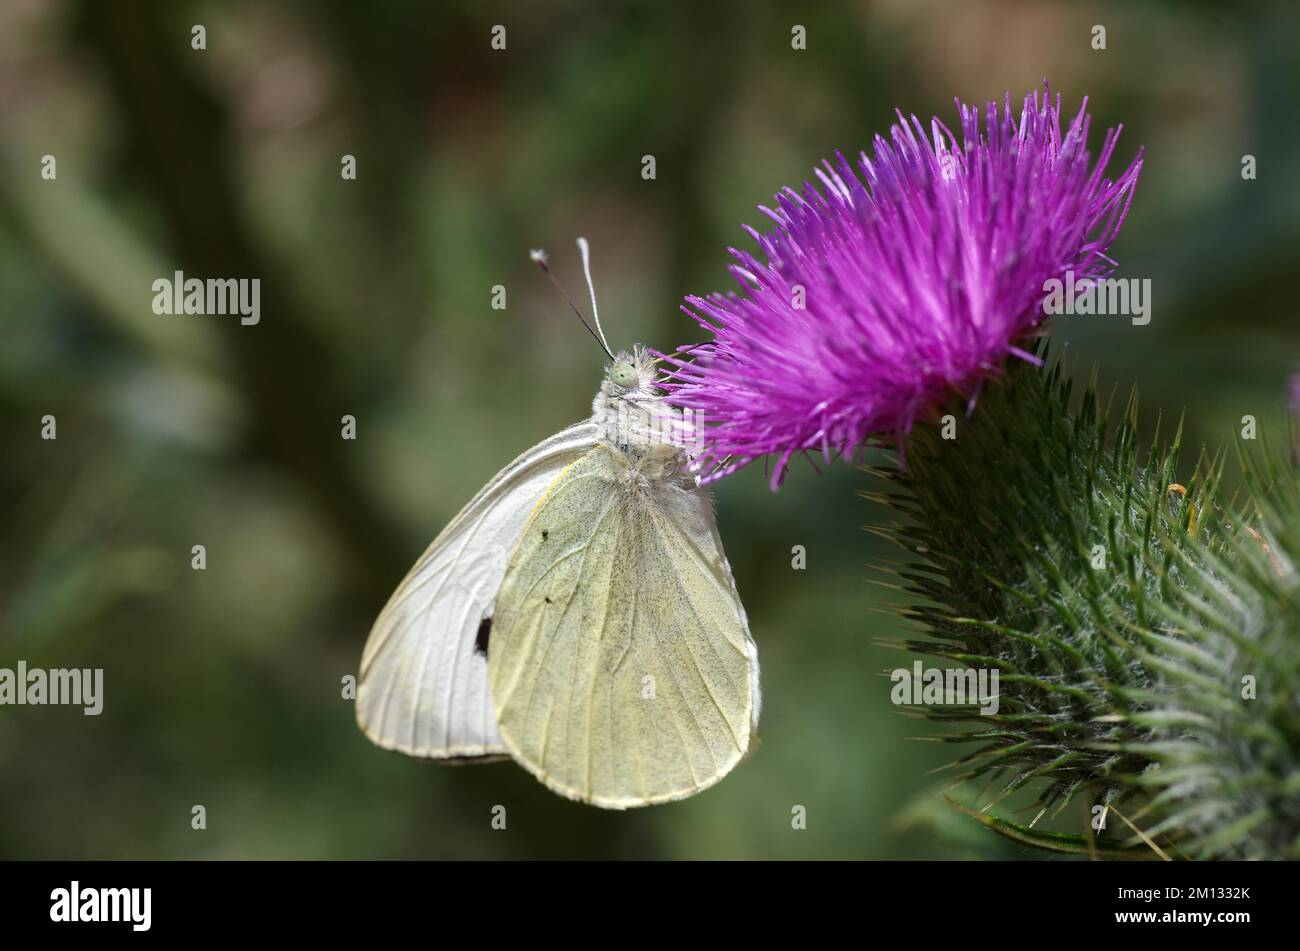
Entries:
{"x":1225,"y":711}
{"x":1056,"y":552}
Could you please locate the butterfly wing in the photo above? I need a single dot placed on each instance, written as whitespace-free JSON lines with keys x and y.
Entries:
{"x":621,"y":664}
{"x":423,"y":687}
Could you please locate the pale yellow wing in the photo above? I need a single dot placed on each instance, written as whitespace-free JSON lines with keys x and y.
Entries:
{"x":621,"y":665}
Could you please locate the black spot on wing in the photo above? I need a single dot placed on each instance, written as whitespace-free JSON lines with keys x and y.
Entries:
{"x":481,"y":638}
{"x":545,"y":533}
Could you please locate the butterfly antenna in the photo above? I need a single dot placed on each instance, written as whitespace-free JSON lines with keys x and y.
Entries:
{"x":586,"y":270}
{"x":539,"y":258}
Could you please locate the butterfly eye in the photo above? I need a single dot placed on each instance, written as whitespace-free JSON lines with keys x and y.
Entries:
{"x":623,"y":374}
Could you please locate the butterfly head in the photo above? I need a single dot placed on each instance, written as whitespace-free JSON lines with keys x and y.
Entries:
{"x":631,"y":375}
{"x":623,"y":374}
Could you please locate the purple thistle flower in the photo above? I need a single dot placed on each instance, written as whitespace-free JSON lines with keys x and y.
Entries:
{"x":919,"y":273}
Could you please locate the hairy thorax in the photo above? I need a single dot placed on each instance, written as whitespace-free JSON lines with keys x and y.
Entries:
{"x":653,"y":438}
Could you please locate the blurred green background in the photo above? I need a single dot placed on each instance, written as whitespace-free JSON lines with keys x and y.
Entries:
{"x":223,"y":686}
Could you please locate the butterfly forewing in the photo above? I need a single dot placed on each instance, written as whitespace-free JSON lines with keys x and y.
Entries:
{"x":423,"y":687}
{"x":621,"y":665}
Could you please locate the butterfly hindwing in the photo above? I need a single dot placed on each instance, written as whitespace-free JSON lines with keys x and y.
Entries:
{"x":621,"y":664}
{"x":423,"y":688}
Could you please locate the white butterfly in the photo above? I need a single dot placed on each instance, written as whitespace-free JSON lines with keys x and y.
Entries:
{"x":578,"y":615}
